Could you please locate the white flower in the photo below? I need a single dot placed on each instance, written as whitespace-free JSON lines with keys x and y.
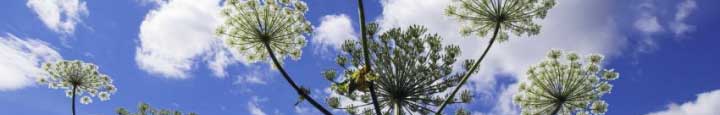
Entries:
{"x":52,"y":86}
{"x":92,"y":92}
{"x":507,"y":16}
{"x":68,"y":93}
{"x":80,"y":77}
{"x":556,"y":86}
{"x":104,"y":96}
{"x":41,"y":80}
{"x":85,"y":100}
{"x":599,"y":107}
{"x":111,"y":88}
{"x":250,"y":27}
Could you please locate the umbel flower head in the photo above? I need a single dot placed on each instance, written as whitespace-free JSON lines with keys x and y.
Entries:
{"x":484,"y":16}
{"x":410,"y":69}
{"x":250,"y":25}
{"x":564,"y":85}
{"x":84,"y":78}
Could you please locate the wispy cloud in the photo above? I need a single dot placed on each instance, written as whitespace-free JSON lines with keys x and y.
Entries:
{"x":253,"y":106}
{"x":679,"y":26}
{"x":254,"y":76}
{"x":21,"y":60}
{"x":650,"y":24}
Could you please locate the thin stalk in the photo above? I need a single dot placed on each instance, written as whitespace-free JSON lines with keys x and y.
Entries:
{"x":557,"y":109}
{"x":398,"y":108}
{"x":73,"y":99}
{"x":366,"y":52}
{"x":292,"y":83}
{"x":470,"y":72}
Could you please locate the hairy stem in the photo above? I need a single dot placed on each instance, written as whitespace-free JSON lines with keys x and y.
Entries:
{"x":292,"y":83}
{"x":366,"y":52}
{"x":470,"y":72}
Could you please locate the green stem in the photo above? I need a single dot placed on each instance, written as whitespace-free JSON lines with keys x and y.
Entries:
{"x":74,"y":89}
{"x":292,"y":83}
{"x":470,"y":72}
{"x":366,"y":52}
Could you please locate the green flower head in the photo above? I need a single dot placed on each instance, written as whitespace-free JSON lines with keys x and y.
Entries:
{"x":516,"y":16}
{"x":565,"y":87}
{"x":410,"y":69}
{"x":83,"y":77}
{"x":251,"y":25}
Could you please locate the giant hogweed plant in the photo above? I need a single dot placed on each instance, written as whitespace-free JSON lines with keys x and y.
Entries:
{"x":565,"y":86}
{"x":411,"y":71}
{"x":268,"y":29}
{"x":497,"y":18}
{"x":78,"y":79}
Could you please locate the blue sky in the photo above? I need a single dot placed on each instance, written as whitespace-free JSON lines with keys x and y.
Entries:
{"x":163,"y":53}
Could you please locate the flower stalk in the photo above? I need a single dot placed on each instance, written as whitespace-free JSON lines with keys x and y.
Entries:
{"x":274,"y":28}
{"x":364,"y":34}
{"x":292,"y":83}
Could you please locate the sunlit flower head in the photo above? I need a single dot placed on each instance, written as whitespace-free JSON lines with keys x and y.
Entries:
{"x":252,"y":24}
{"x":481,"y":17}
{"x":410,"y":68}
{"x":82,"y":77}
{"x":565,"y":85}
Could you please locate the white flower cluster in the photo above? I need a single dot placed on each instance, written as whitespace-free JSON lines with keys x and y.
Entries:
{"x":253,"y":24}
{"x":78,"y":78}
{"x":565,"y":87}
{"x":481,"y":17}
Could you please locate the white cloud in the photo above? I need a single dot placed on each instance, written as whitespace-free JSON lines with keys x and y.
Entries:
{"x":254,"y":110}
{"x":180,"y":33}
{"x":253,"y":106}
{"x":678,"y":26}
{"x":706,"y":104}
{"x":332,"y":32}
{"x":648,"y":24}
{"x":303,"y":111}
{"x":59,"y":15}
{"x":590,"y":30}
{"x":21,"y":60}
{"x":254,"y":75}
